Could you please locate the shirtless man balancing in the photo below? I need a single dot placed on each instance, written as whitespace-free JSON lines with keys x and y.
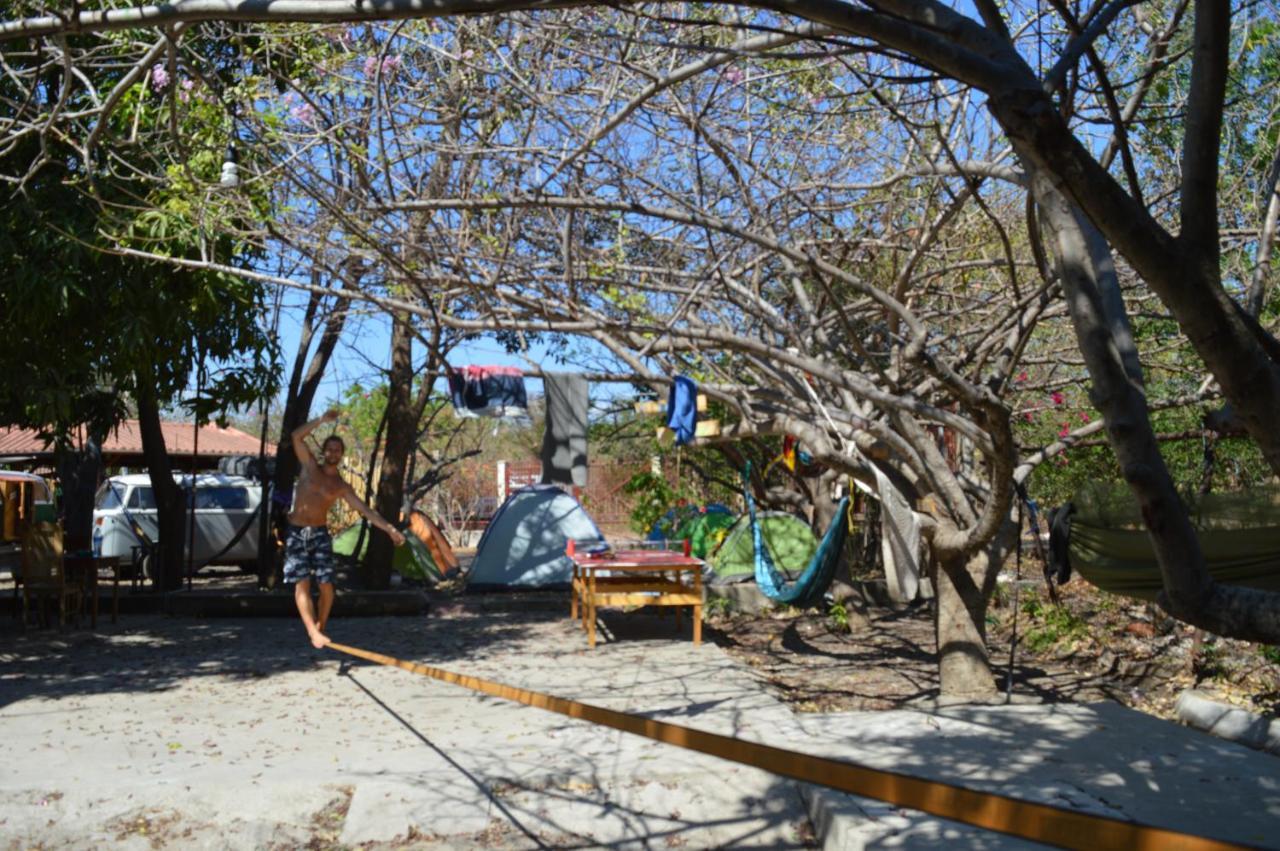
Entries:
{"x":308,"y":549}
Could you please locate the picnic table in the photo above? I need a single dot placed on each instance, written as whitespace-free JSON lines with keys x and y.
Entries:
{"x":635,"y":578}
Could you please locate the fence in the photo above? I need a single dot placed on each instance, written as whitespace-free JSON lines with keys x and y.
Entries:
{"x":463,"y":504}
{"x":472,"y":495}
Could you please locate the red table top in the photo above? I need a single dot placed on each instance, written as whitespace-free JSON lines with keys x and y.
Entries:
{"x":637,"y":559}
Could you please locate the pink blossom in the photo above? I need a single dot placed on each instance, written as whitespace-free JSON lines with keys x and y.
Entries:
{"x":1084,"y":418}
{"x":467,"y":54}
{"x":1022,"y":376}
{"x":304,"y":113}
{"x":159,"y":77}
{"x":1065,"y":430}
{"x":1029,"y":417}
{"x":1056,"y":397}
{"x":184,"y":89}
{"x":732,"y":74}
{"x":388,"y":64}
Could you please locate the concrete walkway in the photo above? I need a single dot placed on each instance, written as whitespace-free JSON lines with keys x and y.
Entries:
{"x":235,"y":734}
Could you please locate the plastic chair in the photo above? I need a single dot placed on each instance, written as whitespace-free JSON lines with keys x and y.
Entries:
{"x":44,"y":575}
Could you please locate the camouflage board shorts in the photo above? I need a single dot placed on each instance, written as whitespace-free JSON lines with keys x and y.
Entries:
{"x":308,"y":554}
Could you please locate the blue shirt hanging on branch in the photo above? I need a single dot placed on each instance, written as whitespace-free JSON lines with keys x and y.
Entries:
{"x":682,"y":409}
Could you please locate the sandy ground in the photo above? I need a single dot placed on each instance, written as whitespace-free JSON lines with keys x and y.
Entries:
{"x":168,"y":733}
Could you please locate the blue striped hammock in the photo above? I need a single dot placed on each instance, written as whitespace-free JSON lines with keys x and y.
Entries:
{"x":809,"y":587}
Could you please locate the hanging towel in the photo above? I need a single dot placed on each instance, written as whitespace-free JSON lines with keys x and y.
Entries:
{"x":899,"y":541}
{"x":489,"y":391}
{"x":1058,"y":570}
{"x":682,"y":409}
{"x":564,"y":443}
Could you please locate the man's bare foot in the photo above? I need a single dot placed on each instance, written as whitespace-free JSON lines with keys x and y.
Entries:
{"x":319,"y":639}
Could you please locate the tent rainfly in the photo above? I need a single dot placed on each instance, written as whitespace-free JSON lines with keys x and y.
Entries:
{"x":523,"y":545}
{"x":790,"y":541}
{"x":426,"y":555}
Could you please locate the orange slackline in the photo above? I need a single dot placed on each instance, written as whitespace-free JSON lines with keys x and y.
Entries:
{"x":1038,"y":822}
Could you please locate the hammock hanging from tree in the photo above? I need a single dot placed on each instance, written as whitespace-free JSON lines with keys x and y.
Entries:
{"x":1107,"y":543}
{"x":809,"y":587}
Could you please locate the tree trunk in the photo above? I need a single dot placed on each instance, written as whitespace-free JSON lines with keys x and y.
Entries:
{"x":964,"y":586}
{"x":402,"y":432}
{"x":78,"y":472}
{"x":1092,"y":294}
{"x":297,"y":410}
{"x":170,"y":506}
{"x":367,"y":495}
{"x":960,"y":612}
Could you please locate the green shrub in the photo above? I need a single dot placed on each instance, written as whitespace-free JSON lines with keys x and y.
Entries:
{"x":1052,"y":625}
{"x":653,"y":497}
{"x":716,"y":606}
{"x":839,"y":616}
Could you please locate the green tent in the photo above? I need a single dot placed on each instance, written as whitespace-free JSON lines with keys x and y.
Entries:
{"x":412,"y":561}
{"x":1239,"y":535}
{"x":790,"y":541}
{"x":704,"y":532}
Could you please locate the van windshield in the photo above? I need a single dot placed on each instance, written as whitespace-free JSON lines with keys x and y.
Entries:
{"x":107,"y":497}
{"x":142,"y":499}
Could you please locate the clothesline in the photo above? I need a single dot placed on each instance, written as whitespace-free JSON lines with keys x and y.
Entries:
{"x":596,"y":377}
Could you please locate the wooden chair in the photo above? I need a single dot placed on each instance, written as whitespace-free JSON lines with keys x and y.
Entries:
{"x":43,"y":574}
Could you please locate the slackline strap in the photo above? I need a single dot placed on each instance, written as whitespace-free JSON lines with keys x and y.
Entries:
{"x":1038,"y":822}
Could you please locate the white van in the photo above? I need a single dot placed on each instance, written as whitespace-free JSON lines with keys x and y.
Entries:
{"x":125,"y":522}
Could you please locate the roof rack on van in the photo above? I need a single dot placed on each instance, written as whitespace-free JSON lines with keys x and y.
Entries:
{"x":249,"y":466}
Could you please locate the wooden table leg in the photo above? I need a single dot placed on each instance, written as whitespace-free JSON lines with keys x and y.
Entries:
{"x":679,"y":609}
{"x":573,"y":594}
{"x":591,"y":612}
{"x":697,"y":607}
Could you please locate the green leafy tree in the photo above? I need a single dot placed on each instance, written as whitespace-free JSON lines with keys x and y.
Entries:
{"x":91,"y":328}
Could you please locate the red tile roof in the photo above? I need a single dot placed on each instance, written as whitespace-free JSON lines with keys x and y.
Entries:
{"x":126,"y":439}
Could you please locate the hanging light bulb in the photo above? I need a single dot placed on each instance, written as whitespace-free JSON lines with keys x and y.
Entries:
{"x":230,"y":169}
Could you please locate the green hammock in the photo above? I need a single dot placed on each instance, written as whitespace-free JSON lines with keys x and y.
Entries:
{"x":812,"y":584}
{"x":1239,"y":535}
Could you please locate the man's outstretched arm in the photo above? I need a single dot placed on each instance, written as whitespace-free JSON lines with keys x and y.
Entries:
{"x":300,"y":448}
{"x":374,"y":518}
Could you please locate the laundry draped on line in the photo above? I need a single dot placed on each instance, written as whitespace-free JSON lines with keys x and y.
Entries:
{"x":496,"y":392}
{"x":682,"y":409}
{"x":564,"y":443}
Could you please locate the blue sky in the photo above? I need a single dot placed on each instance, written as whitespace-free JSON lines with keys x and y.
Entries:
{"x":365,"y":349}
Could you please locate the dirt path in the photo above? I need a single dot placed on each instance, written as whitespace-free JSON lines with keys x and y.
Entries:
{"x":1092,"y":646}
